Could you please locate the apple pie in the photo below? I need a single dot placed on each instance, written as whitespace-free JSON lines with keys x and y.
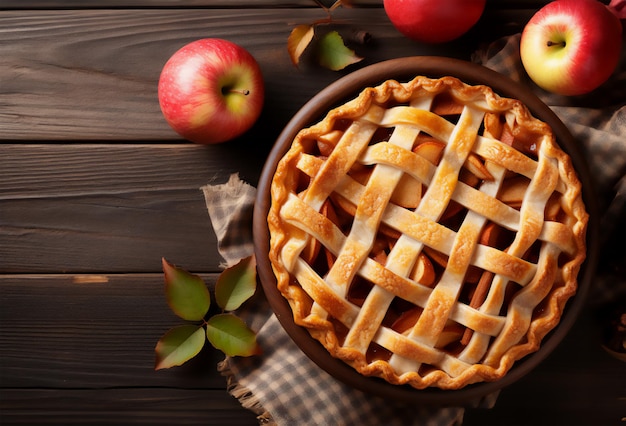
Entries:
{"x":428,"y":233}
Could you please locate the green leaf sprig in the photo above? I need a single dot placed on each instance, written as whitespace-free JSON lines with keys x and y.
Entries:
{"x":189,"y":298}
{"x":332,"y":51}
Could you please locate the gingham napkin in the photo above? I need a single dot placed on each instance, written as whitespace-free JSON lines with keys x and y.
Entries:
{"x":282,"y":386}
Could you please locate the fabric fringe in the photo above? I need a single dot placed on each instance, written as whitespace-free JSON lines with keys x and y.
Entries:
{"x":230,"y":206}
{"x":244,"y":395}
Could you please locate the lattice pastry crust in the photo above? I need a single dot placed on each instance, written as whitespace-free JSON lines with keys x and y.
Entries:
{"x":428,"y":233}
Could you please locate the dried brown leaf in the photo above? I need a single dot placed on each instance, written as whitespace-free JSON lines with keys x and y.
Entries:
{"x":298,"y":41}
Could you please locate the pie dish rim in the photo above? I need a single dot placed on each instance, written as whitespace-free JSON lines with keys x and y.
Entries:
{"x":403,"y":69}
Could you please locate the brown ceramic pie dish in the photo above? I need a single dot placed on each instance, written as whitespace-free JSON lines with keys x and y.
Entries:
{"x":337,"y":94}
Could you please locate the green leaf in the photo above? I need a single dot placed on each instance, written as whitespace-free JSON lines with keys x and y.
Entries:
{"x":187,"y":294}
{"x":231,"y":335}
{"x":179,"y":345}
{"x":299,"y":39}
{"x":236,"y":284}
{"x":333,"y":53}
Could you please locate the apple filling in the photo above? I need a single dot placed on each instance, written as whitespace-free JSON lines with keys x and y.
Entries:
{"x":424,"y":232}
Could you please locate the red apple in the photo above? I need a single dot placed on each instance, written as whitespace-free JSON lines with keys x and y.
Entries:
{"x":211,"y":91}
{"x":571,"y":47}
{"x":434,"y":21}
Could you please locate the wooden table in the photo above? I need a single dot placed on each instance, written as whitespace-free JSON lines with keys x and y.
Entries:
{"x":95,"y":188}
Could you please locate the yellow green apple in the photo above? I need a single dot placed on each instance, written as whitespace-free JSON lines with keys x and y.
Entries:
{"x":571,"y":47}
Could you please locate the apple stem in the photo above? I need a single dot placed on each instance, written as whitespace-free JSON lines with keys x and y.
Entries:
{"x":244,"y":92}
{"x":552,"y":43}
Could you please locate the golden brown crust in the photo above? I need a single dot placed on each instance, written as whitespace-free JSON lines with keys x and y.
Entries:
{"x":419,"y":170}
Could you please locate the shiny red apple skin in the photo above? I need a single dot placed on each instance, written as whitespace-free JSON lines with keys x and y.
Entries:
{"x":211,"y":91}
{"x":593,"y":41}
{"x":433,"y":21}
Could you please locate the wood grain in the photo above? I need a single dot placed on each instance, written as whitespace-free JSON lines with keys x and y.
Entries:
{"x":73,"y":170}
{"x":92,"y":74}
{"x":79,"y":349}
{"x":95,"y":188}
{"x":139,"y":406}
{"x":112,"y":207}
{"x":77,"y":339}
{"x":90,"y":331}
{"x":99,"y":4}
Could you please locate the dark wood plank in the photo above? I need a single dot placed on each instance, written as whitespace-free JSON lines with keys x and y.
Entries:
{"x":578,"y":384}
{"x":140,"y":406}
{"x":81,"y":334}
{"x":35,"y":171}
{"x":112,"y":207}
{"x":92,"y":74}
{"x":88,"y":331}
{"x":115,"y":233}
{"x":106,"y":4}
{"x":99,"y":4}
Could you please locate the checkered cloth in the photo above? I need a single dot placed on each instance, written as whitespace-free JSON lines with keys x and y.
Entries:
{"x":282,"y":386}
